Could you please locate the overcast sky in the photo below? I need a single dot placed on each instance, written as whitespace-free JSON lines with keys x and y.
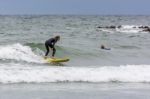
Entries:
{"x":80,"y":7}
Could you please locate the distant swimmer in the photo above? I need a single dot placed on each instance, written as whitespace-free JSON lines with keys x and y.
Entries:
{"x":50,"y":43}
{"x":103,"y":47}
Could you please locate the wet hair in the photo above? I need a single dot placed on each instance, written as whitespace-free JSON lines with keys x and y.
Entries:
{"x":102,"y":46}
{"x":57,"y":37}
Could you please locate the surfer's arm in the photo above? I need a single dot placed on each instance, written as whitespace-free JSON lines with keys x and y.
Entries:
{"x":53,"y":43}
{"x":107,"y":48}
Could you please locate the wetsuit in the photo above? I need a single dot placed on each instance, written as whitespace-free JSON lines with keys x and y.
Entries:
{"x":50,"y":43}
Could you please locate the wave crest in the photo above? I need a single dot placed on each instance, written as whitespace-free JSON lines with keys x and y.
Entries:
{"x":18,"y":52}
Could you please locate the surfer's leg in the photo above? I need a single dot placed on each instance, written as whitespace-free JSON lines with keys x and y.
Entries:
{"x":47,"y":48}
{"x":54,"y":50}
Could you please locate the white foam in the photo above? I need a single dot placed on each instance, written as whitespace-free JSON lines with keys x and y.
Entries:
{"x":129,"y":29}
{"x":18,"y":52}
{"x":125,"y":29}
{"x":128,"y":73}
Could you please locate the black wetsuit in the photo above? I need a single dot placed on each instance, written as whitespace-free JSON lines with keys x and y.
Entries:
{"x":50,"y":43}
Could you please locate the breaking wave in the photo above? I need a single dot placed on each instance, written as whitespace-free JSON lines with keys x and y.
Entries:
{"x":26,"y":74}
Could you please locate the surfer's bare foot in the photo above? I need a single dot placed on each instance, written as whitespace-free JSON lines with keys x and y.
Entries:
{"x":52,"y":57}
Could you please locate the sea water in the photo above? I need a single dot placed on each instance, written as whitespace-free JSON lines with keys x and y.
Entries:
{"x":92,"y":73}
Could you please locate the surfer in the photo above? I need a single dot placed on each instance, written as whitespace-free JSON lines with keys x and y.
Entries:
{"x":50,"y":43}
{"x":103,"y":47}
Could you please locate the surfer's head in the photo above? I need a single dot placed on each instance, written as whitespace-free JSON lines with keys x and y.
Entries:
{"x":57,"y":38}
{"x":102,"y":47}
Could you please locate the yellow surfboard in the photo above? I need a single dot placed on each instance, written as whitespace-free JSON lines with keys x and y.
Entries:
{"x":56,"y":60}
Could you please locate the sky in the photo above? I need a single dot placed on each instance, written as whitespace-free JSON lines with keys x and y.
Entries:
{"x":77,"y":7}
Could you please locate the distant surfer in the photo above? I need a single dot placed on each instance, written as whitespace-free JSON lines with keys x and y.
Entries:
{"x":50,"y":43}
{"x":103,"y":47}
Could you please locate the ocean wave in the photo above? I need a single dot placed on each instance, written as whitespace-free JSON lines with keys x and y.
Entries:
{"x":125,"y":29}
{"x":18,"y":52}
{"x":105,"y":74}
{"x":64,"y":51}
{"x":34,"y":52}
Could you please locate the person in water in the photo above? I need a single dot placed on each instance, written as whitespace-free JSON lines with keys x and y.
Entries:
{"x":103,"y":47}
{"x":50,"y":43}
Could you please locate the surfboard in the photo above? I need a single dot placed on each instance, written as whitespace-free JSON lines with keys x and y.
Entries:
{"x":56,"y":60}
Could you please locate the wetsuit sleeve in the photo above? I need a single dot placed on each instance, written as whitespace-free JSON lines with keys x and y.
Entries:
{"x":107,"y":48}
